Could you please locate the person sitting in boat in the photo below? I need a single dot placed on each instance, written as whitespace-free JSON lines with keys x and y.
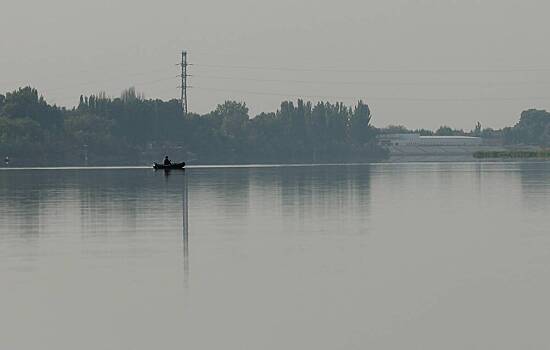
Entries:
{"x":167,"y":161}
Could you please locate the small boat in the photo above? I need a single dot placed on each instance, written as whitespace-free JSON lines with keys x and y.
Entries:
{"x":158,"y":166}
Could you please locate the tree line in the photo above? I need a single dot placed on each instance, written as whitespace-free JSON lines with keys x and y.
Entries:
{"x":131,"y":129}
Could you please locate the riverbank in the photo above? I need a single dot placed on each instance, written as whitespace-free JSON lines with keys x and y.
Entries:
{"x":514,"y":154}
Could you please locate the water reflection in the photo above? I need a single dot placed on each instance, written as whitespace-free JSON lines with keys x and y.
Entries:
{"x":280,"y":255}
{"x":185,"y":226}
{"x":535,"y":184}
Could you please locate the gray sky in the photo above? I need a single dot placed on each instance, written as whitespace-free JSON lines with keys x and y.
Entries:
{"x":421,"y":63}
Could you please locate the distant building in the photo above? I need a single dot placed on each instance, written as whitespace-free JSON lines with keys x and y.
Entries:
{"x":414,"y":144}
{"x":417,"y":140}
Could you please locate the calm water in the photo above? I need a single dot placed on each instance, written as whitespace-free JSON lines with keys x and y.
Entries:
{"x":389,"y":256}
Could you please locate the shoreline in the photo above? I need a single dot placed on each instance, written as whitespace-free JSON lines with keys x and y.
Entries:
{"x":513,"y":154}
{"x":283,"y":165}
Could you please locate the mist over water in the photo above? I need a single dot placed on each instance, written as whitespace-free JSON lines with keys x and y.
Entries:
{"x":385,"y":256}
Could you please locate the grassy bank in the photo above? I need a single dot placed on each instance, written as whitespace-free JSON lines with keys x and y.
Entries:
{"x":512,"y":154}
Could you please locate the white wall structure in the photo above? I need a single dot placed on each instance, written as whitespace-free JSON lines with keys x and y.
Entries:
{"x":414,"y":144}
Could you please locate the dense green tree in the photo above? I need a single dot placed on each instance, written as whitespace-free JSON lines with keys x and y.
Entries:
{"x":131,"y":128}
{"x":533,"y":128}
{"x":91,"y":131}
{"x":26,"y":103}
{"x":20,"y":135}
{"x":361,"y":130}
{"x":234,"y":118}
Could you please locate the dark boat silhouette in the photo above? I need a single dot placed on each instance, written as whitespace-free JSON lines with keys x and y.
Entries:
{"x":158,"y":166}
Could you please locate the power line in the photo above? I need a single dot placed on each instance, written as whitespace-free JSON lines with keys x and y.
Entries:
{"x":148,"y":82}
{"x":184,"y":83}
{"x":358,"y":70}
{"x":373,"y":83}
{"x":89,"y":70}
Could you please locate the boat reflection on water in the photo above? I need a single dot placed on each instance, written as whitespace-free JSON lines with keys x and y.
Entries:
{"x":185,"y":236}
{"x":185,"y":216}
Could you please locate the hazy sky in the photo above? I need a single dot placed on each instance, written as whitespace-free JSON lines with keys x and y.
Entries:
{"x":421,"y":63}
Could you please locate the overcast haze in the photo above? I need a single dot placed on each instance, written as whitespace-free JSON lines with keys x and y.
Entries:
{"x":417,"y":63}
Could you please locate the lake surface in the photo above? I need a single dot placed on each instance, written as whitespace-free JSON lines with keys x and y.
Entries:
{"x":381,"y":256}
